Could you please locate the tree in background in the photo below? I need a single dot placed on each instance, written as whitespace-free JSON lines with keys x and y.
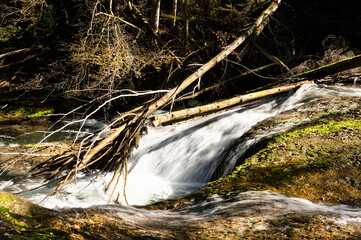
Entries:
{"x":155,"y":14}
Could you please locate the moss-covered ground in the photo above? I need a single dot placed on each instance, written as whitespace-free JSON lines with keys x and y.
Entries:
{"x":319,"y":161}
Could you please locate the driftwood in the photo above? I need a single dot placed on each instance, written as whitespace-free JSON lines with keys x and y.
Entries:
{"x":219,"y":105}
{"x":113,"y":150}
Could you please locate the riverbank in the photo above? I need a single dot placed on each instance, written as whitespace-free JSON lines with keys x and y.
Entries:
{"x":317,"y":159}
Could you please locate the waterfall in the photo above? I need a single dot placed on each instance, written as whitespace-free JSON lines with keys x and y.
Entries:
{"x":177,"y":159}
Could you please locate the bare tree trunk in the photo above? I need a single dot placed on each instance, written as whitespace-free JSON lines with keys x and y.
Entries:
{"x":219,"y":105}
{"x":154,"y":19}
{"x":187,"y":18}
{"x":174,"y":13}
{"x":139,"y":16}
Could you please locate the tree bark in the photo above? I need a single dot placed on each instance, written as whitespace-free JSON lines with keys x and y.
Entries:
{"x":155,"y":13}
{"x":174,"y":13}
{"x":185,"y":113}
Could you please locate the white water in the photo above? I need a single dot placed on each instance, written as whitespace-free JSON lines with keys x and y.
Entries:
{"x":248,"y":204}
{"x":177,"y":159}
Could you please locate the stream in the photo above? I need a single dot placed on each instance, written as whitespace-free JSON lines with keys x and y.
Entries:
{"x":175,"y":160}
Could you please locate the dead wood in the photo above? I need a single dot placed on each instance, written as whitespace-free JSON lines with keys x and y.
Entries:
{"x":35,"y":55}
{"x":220,"y":105}
{"x":333,"y":68}
{"x":23,"y":50}
{"x":271,"y":57}
{"x":256,"y":29}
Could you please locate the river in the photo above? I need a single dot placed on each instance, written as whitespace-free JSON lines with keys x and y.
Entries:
{"x":175,"y":160}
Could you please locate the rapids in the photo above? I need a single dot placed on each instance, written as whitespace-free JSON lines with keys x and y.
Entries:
{"x":247,"y":204}
{"x":175,"y":160}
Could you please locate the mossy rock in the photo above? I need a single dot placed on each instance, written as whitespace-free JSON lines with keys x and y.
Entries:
{"x":319,"y":161}
{"x":21,"y":219}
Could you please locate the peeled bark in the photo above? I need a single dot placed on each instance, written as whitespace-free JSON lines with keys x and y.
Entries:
{"x":185,"y":113}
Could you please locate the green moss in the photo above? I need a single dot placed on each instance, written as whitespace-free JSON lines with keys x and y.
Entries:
{"x":40,"y":113}
{"x":29,"y":112}
{"x":44,"y":233}
{"x":6,"y":212}
{"x":21,"y":227}
{"x":321,"y":129}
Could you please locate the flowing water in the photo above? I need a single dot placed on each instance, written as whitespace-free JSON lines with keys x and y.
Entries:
{"x":247,"y":204}
{"x":178,"y":159}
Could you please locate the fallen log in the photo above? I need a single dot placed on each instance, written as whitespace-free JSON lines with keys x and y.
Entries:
{"x":317,"y":73}
{"x":216,"y":106}
{"x":25,"y":59}
{"x":333,"y":68}
{"x":15,"y":52}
